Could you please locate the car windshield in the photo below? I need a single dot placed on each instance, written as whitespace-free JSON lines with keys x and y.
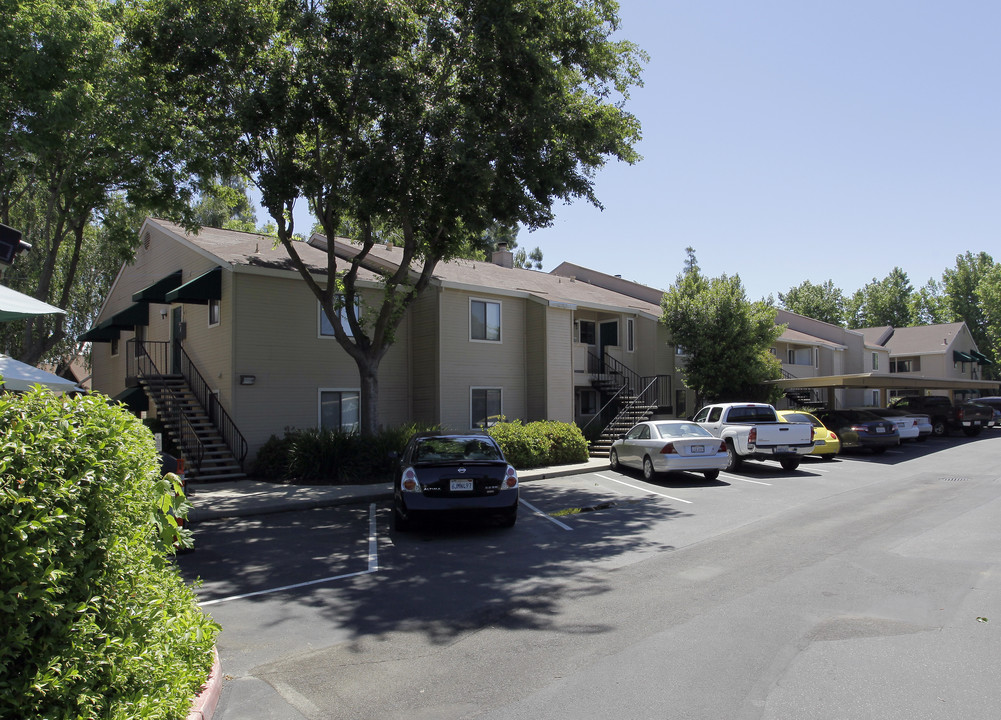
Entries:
{"x":677,"y":430}
{"x":451,"y":449}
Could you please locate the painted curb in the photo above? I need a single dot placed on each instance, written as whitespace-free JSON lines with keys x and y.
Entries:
{"x":204,"y":704}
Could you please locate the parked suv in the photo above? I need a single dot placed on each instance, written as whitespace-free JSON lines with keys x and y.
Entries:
{"x":969,"y":417}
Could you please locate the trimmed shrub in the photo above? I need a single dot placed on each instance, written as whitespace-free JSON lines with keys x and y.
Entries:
{"x":540,"y":443}
{"x":94,"y":619}
{"x":333,"y":456}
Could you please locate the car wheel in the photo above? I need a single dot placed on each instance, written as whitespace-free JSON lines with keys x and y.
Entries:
{"x":939,"y":428}
{"x":400,"y":523}
{"x":789,"y":464}
{"x":613,"y":459}
{"x":733,"y":460}
{"x":510,"y":517}
{"x":971,"y":431}
{"x":648,"y":472}
{"x":711,"y":474}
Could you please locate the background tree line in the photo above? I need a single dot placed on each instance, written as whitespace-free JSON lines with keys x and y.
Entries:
{"x":969,"y":292}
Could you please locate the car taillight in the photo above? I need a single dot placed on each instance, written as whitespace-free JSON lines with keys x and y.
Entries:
{"x":668,"y":450}
{"x":409,"y":481}
{"x":722,"y":447}
{"x":833,"y":435}
{"x":510,"y":478}
{"x":752,"y":437}
{"x":859,"y":428}
{"x":813,"y":433}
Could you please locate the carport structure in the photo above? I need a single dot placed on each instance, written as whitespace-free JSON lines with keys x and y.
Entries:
{"x":883,"y":382}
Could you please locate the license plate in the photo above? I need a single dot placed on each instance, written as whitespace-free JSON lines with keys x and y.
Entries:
{"x":781,"y":448}
{"x":880,"y":429}
{"x":698,"y":448}
{"x":461,"y":485}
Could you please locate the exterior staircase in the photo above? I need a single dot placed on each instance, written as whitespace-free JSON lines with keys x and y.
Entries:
{"x":630,"y":399}
{"x":213,"y":448}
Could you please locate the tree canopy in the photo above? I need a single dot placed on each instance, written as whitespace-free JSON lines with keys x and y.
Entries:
{"x":820,"y":302}
{"x":434,"y":119}
{"x":726,"y":338}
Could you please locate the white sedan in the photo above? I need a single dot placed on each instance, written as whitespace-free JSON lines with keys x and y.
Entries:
{"x":661,"y":446}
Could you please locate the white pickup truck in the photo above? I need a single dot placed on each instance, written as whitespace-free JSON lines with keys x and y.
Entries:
{"x":754,"y":431}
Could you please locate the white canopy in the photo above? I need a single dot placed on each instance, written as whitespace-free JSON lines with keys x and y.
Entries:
{"x":15,"y":305}
{"x":20,"y":377}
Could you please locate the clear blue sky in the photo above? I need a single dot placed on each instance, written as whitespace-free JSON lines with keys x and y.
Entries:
{"x":791,"y":140}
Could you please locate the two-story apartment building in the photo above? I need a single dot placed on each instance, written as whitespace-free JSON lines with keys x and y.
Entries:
{"x":221,"y":320}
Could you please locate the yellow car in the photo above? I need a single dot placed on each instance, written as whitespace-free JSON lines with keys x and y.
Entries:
{"x":825,"y":443}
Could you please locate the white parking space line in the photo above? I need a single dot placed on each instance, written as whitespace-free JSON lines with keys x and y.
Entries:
{"x":373,"y":566}
{"x":643,"y":489}
{"x":538,"y":512}
{"x":743,"y":479}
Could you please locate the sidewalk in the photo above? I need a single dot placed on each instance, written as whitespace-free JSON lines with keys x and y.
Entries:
{"x":243,"y":498}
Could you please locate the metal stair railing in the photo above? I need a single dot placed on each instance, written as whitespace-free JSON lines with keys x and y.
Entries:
{"x":142,"y":365}
{"x":635,"y":392}
{"x":231,"y":435}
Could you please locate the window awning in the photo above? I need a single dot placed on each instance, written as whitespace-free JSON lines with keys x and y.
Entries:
{"x":157,"y":291}
{"x":981,"y":358}
{"x":135,"y":314}
{"x":102,"y":332}
{"x":959,"y":356}
{"x":199,"y":291}
{"x":134,"y":399}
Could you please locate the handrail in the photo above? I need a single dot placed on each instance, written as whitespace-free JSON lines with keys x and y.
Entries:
{"x":231,"y":435}
{"x":144,"y":366}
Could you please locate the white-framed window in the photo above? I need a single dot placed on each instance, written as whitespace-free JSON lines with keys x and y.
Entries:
{"x":215,"y":312}
{"x":326,"y":330}
{"x":484,"y":320}
{"x":816,"y":358}
{"x":875,"y":361}
{"x":485,"y":406}
{"x":114,"y":347}
{"x":340,"y":409}
{"x":586,"y":333}
{"x":630,"y":335}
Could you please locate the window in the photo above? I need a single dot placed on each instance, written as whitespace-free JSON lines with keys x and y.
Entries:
{"x":484,"y":407}
{"x":875,"y":361}
{"x":680,"y":350}
{"x":680,"y":402}
{"x":630,"y":335}
{"x":904,"y":365}
{"x":587,"y":402}
{"x":587,"y":336}
{"x":114,"y":347}
{"x":339,"y":410}
{"x":326,"y":329}
{"x":484,"y":320}
{"x":215,"y":312}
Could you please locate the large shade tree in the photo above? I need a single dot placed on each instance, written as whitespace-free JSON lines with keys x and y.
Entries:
{"x":823,"y":302}
{"x":726,"y":337}
{"x":881,"y":302}
{"x":76,"y":142}
{"x":435,"y":118}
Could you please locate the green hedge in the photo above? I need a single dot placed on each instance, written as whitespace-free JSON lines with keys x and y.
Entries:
{"x":95,"y":621}
{"x":332,"y":456}
{"x":541,"y":443}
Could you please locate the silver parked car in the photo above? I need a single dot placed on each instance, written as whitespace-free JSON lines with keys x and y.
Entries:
{"x":911,"y":426}
{"x":662,"y":446}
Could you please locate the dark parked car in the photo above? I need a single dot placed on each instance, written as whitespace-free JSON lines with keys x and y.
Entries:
{"x":459,"y":475}
{"x":969,"y":417}
{"x":860,"y":429}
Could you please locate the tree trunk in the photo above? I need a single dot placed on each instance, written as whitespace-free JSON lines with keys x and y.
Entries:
{"x":368,"y":377}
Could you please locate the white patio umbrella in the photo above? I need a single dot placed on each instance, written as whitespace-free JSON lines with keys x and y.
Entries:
{"x":20,"y":376}
{"x":15,"y":305}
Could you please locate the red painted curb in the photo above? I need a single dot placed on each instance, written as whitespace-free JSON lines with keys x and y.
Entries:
{"x":203,"y":706}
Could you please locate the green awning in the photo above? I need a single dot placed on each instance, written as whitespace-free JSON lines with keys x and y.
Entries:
{"x":981,"y":358}
{"x":134,"y":399}
{"x":958,"y":356}
{"x":135,"y":314}
{"x":199,"y":291}
{"x":102,"y":332}
{"x":157,"y":291}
